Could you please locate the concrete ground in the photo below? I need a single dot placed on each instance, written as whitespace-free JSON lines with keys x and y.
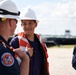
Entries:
{"x":60,"y":61}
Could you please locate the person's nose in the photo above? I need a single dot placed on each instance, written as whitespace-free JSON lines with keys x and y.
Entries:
{"x":27,"y":26}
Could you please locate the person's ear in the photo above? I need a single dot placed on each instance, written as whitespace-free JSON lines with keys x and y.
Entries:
{"x":36,"y":25}
{"x":10,"y":21}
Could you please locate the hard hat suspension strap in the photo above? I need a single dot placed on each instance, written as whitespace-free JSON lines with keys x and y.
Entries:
{"x":5,"y":12}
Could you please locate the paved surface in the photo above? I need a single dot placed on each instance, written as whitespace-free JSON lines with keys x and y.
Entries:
{"x":60,"y":61}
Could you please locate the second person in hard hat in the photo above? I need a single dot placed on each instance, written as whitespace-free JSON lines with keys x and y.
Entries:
{"x":38,"y":61}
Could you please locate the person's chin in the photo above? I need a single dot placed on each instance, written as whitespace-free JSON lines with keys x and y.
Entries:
{"x":29,"y":33}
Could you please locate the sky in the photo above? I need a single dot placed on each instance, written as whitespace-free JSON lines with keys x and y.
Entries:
{"x":55,"y":16}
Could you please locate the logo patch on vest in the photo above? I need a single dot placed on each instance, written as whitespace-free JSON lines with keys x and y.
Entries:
{"x":7,"y":59}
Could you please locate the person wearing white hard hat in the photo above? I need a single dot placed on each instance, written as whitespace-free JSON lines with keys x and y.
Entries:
{"x":8,"y":62}
{"x":38,"y":61}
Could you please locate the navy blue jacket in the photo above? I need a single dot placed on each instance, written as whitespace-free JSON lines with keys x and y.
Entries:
{"x":8,"y":63}
{"x":74,"y":58}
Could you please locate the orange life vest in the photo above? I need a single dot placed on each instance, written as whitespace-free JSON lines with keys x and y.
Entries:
{"x":23,"y":42}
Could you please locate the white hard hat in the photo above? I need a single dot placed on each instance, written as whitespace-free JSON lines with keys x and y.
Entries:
{"x":28,"y":14}
{"x":8,"y":9}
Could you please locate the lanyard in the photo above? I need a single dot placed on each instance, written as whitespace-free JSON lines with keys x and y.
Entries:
{"x":5,"y":45}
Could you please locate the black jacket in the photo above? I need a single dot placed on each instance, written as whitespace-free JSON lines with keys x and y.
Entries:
{"x":74,"y":58}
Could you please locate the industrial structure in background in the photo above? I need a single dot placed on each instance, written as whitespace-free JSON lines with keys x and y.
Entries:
{"x":66,"y":39}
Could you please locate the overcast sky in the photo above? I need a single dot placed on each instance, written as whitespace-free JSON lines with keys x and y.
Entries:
{"x":55,"y":16}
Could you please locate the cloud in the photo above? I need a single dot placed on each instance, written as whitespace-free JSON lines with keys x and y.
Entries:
{"x":55,"y":18}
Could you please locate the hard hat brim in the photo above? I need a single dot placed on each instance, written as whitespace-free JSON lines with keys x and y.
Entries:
{"x":10,"y":16}
{"x":26,"y":18}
